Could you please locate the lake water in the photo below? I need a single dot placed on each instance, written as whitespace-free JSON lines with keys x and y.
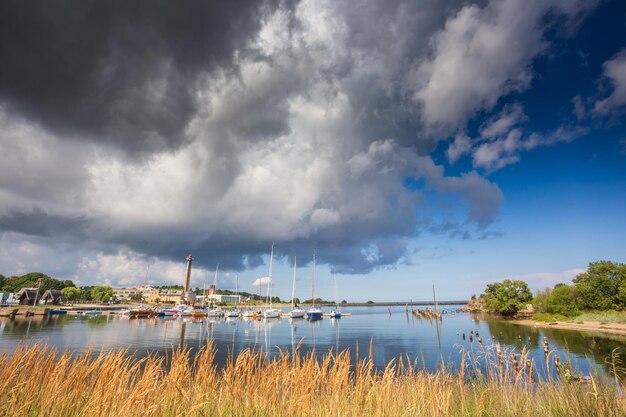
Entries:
{"x":392,"y":332}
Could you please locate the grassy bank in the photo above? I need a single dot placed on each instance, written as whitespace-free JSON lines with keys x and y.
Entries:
{"x":34,"y":383}
{"x":599,"y":316}
{"x":602,"y":317}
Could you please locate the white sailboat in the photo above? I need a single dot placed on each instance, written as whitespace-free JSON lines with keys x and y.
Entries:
{"x":296,"y":312}
{"x":270,"y":312}
{"x":335,"y":313}
{"x":314,"y":313}
{"x":215,"y":311}
{"x":235,"y":312}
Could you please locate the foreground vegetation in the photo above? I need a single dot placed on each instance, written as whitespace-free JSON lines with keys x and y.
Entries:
{"x":37,"y":382}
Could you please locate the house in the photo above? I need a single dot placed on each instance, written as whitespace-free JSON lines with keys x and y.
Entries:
{"x":128,"y":294}
{"x":26,"y":296}
{"x":52,"y":297}
{"x":220,"y":298}
{"x":156,"y":296}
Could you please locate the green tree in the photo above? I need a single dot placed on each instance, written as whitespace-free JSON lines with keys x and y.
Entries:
{"x":599,"y":288}
{"x":30,"y":280}
{"x":563,"y":299}
{"x":296,"y":300}
{"x":539,"y":301}
{"x":85,"y":293}
{"x":344,"y":302}
{"x":71,"y":293}
{"x":137,"y":296}
{"x":369,"y":302}
{"x":507,"y":297}
{"x":102,"y":293}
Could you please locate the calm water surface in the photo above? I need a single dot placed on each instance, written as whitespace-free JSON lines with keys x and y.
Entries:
{"x":392,"y":335}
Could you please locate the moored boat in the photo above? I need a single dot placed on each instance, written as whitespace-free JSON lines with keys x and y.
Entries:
{"x":198,"y":313}
{"x":216,"y":312}
{"x":270,"y":312}
{"x":140,"y":313}
{"x":335,"y":314}
{"x":314,"y":313}
{"x":296,"y":312}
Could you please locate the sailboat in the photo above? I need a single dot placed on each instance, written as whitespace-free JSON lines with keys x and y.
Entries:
{"x":314,"y":313}
{"x":335,"y":313}
{"x":270,"y":313}
{"x":235,"y":312}
{"x":250,"y":312}
{"x":296,"y":312}
{"x":215,"y":311}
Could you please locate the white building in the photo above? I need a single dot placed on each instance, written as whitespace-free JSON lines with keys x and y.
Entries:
{"x":220,"y":298}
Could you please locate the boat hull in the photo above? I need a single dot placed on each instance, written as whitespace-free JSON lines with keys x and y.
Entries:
{"x":271,"y":313}
{"x":139,"y":314}
{"x":296,"y":314}
{"x":314,"y":314}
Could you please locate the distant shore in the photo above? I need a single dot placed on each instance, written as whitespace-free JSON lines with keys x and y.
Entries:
{"x":586,"y":326}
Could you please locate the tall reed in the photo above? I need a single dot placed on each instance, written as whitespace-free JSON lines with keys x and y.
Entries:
{"x":36,"y":381}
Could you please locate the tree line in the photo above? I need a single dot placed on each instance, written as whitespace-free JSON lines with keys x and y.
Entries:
{"x":45,"y":282}
{"x":601,"y":287}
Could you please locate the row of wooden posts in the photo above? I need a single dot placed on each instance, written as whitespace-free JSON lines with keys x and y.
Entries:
{"x":427,"y":314}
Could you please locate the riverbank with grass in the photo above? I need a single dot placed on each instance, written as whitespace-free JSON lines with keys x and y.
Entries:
{"x":605,"y":322}
{"x":36,"y":381}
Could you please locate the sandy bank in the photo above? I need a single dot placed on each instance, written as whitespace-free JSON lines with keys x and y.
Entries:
{"x":588,"y":326}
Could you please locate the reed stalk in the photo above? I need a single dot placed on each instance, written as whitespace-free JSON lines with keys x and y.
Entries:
{"x":38,"y":381}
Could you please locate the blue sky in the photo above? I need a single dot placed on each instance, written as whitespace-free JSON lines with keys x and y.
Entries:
{"x":409,"y":144}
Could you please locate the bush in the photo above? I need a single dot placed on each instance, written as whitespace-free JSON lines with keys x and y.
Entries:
{"x":563,"y":300}
{"x":507,"y":297}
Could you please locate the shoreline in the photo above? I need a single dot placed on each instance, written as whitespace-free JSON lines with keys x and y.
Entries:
{"x":586,"y":326}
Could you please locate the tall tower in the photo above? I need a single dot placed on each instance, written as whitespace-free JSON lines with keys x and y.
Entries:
{"x":188,"y":297}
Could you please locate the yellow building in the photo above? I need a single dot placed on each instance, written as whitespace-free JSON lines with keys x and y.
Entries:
{"x":164,"y":296}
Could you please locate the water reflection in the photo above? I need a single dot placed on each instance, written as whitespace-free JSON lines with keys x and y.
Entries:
{"x":432,"y":342}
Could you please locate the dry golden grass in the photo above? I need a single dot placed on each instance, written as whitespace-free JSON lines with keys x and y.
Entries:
{"x":35,"y":381}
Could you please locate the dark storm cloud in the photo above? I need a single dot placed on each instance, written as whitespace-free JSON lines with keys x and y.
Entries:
{"x":116,"y":71}
{"x":40,"y":223}
{"x":298,"y":126}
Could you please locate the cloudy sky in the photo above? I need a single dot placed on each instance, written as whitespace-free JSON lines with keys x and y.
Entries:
{"x":407,"y":143}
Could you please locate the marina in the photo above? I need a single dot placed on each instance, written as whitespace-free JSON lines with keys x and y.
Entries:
{"x":389,"y":332}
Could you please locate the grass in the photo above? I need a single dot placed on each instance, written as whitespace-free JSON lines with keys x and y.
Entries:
{"x":548,"y":317}
{"x":603,"y":317}
{"x":35,"y":381}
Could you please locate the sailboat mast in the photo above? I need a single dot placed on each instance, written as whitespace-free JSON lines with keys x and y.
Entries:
{"x":293,"y":285}
{"x":269,"y":284}
{"x":313,"y":283}
{"x":336,"y":291}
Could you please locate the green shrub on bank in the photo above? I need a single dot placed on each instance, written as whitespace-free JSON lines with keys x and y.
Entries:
{"x":563,"y":300}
